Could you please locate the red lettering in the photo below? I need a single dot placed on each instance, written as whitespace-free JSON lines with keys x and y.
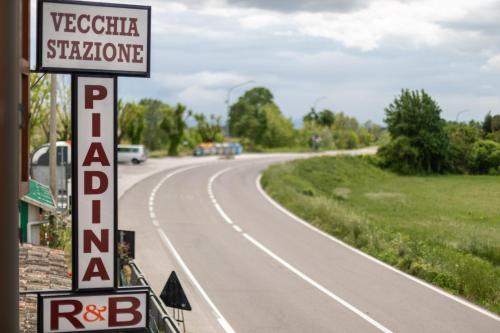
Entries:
{"x":91,"y":272}
{"x":132,"y":31}
{"x":124,"y":52}
{"x":51,"y":53}
{"x":114,"y":311}
{"x":96,"y":125}
{"x":94,"y":24}
{"x":88,"y":177}
{"x":106,"y":56}
{"x":97,"y":51}
{"x":56,"y":19}
{"x":70,"y":23}
{"x":63,"y":44}
{"x":137,"y":53}
{"x":90,"y":238}
{"x":79,"y":23}
{"x":122,"y":30}
{"x":55,"y":313}
{"x":96,"y":211}
{"x":86,"y":54}
{"x":112,"y":25}
{"x":96,"y":147}
{"x":94,"y":93}
{"x":75,"y":50}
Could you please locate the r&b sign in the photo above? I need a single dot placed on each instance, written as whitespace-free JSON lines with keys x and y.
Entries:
{"x":73,"y":313}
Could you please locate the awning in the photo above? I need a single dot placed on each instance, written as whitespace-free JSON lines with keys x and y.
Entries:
{"x":39,"y":195}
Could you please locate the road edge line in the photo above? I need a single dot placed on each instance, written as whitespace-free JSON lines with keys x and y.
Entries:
{"x":369,"y":257}
{"x":287,"y":265}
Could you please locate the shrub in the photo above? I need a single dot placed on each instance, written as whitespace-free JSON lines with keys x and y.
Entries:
{"x":461,"y":138}
{"x":400,"y":156}
{"x":346,"y":139}
{"x":484,"y":157}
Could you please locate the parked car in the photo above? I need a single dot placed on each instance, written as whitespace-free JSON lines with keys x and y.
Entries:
{"x":134,"y":154}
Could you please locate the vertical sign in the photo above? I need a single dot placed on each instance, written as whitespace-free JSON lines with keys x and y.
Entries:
{"x":94,"y":167}
{"x":95,"y":42}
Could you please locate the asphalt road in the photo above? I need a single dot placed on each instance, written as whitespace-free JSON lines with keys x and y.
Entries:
{"x":249,"y":266}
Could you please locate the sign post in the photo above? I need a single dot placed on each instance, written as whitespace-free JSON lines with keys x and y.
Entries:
{"x":96,"y":43}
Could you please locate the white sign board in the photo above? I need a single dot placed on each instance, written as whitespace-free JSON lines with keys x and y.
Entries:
{"x":95,"y":170}
{"x":93,"y":37}
{"x":126,"y":310}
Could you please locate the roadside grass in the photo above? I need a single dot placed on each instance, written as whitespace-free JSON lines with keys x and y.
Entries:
{"x":442,"y":229}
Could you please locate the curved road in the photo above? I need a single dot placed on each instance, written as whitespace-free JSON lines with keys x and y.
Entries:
{"x":250,"y":266}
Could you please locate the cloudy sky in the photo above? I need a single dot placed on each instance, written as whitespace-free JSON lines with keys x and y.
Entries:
{"x":359,"y":54}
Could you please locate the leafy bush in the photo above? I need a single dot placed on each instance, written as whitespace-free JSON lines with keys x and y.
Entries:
{"x":400,"y":156}
{"x":461,"y":138}
{"x":346,"y":139}
{"x":416,"y":126}
{"x":484,"y":157}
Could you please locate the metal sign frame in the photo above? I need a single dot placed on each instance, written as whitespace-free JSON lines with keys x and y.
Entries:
{"x":74,"y":183}
{"x":68,"y":70}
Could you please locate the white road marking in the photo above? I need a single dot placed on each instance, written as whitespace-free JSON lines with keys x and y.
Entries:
{"x":294,"y":270}
{"x":375,"y":260}
{"x":212,"y":196}
{"x":238,"y":229}
{"x":220,"y":318}
{"x":317,"y":285}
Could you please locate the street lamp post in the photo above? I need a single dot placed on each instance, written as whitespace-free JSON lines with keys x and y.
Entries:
{"x":228,"y":97}
{"x":459,"y":113}
{"x":317,"y":100}
{"x":230,"y":90}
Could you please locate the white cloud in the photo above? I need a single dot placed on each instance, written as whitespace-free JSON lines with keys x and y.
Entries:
{"x":205,"y":79}
{"x":493,"y":63}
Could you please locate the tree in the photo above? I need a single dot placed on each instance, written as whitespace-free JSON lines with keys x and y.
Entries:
{"x":209,"y":130}
{"x":495,"y":123}
{"x":312,"y":116}
{"x":247,"y":107}
{"x":278,"y":130}
{"x":487,"y":123}
{"x":416,"y":116}
{"x":154,"y":137}
{"x":326,"y":118}
{"x":174,"y":124}
{"x":257,"y":118}
{"x":63,"y":110}
{"x":131,"y":122}
{"x":39,"y":108}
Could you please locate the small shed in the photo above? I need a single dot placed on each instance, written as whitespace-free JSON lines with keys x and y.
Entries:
{"x":32,"y":210}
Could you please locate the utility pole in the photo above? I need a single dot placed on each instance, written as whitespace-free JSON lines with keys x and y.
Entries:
{"x":10,"y":12}
{"x":53,"y":135}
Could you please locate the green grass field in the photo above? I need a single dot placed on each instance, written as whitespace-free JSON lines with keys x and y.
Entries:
{"x":442,"y":229}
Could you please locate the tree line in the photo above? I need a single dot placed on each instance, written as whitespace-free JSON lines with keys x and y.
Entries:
{"x":259,"y":122}
{"x":255,"y":120}
{"x":424,"y":143}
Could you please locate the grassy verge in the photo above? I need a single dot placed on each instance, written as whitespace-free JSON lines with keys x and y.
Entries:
{"x":443,"y":229}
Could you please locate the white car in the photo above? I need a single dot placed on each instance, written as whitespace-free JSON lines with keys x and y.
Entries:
{"x":134,"y":154}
